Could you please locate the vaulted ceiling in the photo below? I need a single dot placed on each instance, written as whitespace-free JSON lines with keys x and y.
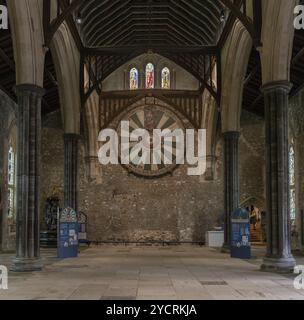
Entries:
{"x":253,"y":99}
{"x":180,"y":28}
{"x":152,"y":22}
{"x":112,"y":32}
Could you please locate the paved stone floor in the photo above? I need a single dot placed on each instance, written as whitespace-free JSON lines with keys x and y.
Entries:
{"x":118,"y":272}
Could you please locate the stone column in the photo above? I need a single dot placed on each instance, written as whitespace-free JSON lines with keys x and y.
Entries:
{"x":232,"y":184}
{"x":28,"y":178}
{"x":279,"y":257}
{"x":70,"y":169}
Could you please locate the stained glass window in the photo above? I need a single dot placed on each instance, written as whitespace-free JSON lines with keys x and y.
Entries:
{"x":292,"y":208}
{"x":11,"y":182}
{"x":134,"y":79}
{"x":166,"y":78}
{"x":149,"y":76}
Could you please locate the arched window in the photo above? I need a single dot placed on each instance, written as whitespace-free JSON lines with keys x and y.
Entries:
{"x":149,"y":76}
{"x":292,"y":184}
{"x":165,"y":76}
{"x":11,"y":183}
{"x":133,"y":79}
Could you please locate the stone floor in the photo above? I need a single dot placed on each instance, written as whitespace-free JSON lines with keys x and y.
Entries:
{"x":154,"y":273}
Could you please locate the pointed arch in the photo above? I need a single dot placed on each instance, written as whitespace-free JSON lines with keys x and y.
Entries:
{"x":67,"y":65}
{"x":235,"y":60}
{"x":276,"y":53}
{"x":28,"y":40}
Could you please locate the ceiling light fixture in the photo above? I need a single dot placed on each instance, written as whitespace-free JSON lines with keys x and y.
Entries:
{"x":78,"y":18}
{"x":223,"y":16}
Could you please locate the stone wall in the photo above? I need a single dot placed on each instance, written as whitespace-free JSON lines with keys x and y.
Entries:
{"x":252,"y":165}
{"x":128,"y":208}
{"x":8,"y":137}
{"x":52,"y":161}
{"x":174,"y":208}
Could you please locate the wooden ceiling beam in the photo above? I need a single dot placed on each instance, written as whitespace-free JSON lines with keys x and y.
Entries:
{"x":297,"y":57}
{"x":193,"y":19}
{"x":244,"y":19}
{"x":51,"y":27}
{"x":7,"y":60}
{"x":106,"y":50}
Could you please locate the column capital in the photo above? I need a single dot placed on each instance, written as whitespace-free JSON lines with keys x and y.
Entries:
{"x":277,"y":85}
{"x":29,"y":88}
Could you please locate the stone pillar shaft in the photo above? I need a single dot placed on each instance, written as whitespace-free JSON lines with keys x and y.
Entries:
{"x":70,"y":170}
{"x":279,"y":257}
{"x":28,"y":178}
{"x":232,"y":185}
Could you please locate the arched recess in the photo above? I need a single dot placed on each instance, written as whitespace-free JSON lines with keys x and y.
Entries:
{"x":28,"y":40}
{"x":259,"y":203}
{"x":67,"y":61}
{"x":277,"y":49}
{"x":235,"y":58}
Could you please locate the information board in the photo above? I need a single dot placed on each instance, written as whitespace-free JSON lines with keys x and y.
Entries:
{"x":240,"y":234}
{"x":68,"y":234}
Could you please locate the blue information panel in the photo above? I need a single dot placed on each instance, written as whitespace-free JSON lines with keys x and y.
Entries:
{"x":68,"y":234}
{"x":240,"y":235}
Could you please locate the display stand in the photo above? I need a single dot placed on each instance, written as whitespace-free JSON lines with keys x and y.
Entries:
{"x":240,"y":234}
{"x":68,"y":234}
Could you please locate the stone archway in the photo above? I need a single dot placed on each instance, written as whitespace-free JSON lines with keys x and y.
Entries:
{"x":67,"y":65}
{"x":235,"y":59}
{"x":28,"y":40}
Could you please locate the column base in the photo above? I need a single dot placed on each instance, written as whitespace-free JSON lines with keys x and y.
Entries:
{"x":26,"y":265}
{"x":280,"y":265}
{"x":226,"y":248}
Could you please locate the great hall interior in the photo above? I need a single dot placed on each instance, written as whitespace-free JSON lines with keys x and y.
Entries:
{"x":70,"y":68}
